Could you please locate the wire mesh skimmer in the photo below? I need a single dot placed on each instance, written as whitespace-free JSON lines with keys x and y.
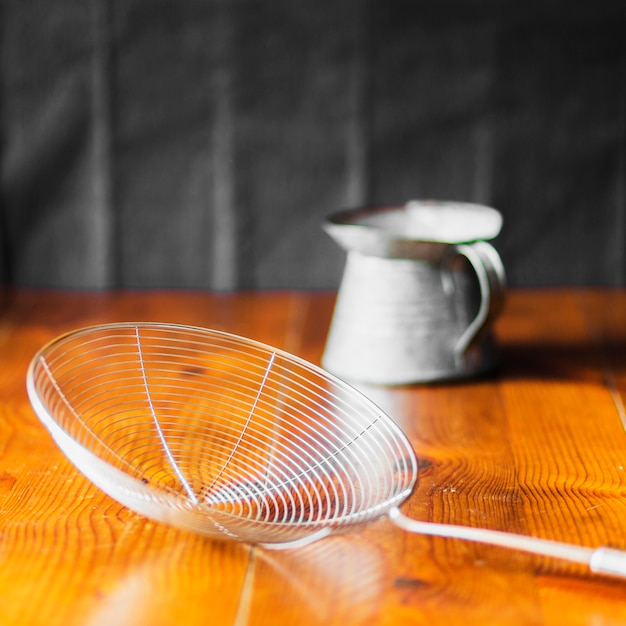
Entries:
{"x":234,"y":439}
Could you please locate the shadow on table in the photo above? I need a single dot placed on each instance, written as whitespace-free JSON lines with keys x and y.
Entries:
{"x":562,"y":362}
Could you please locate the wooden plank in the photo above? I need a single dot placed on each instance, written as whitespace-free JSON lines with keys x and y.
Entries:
{"x":536,"y":448}
{"x":606,"y":314}
{"x":466,"y":478}
{"x":568,"y":446}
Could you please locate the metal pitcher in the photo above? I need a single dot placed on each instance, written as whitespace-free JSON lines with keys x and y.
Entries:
{"x":419,"y":293}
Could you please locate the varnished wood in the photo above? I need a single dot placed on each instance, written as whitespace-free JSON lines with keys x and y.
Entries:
{"x":538,"y":448}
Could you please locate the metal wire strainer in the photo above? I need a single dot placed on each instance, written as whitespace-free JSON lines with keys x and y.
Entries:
{"x":231,"y":438}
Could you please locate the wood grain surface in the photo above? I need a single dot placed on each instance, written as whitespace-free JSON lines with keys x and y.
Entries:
{"x":537,"y":447}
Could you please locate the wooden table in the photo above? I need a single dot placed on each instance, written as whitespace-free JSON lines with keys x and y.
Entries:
{"x":538,"y":448}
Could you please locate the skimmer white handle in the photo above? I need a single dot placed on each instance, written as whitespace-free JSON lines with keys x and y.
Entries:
{"x":600,"y":560}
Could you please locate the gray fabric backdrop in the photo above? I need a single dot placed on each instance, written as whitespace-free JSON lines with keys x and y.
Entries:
{"x":200,"y":143}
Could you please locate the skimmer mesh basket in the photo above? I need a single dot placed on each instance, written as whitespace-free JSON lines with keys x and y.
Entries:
{"x":217,"y":433}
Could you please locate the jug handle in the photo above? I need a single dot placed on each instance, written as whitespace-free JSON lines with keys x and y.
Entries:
{"x":492,"y":282}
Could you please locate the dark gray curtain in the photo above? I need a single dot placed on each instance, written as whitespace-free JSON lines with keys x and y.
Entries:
{"x":200,"y":143}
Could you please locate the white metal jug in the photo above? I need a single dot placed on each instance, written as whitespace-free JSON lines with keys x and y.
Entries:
{"x":419,"y":292}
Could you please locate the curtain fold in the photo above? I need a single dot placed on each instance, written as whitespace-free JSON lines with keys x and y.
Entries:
{"x":201,"y":143}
